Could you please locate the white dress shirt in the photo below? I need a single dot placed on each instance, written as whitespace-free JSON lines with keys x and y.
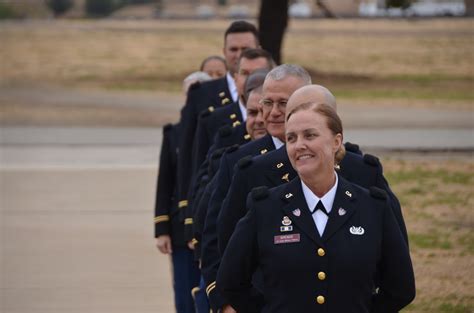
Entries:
{"x":319,"y":217}
{"x":243,"y":110}
{"x":278,"y":143}
{"x":232,"y":87}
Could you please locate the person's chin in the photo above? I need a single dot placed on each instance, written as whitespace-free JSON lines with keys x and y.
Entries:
{"x":276,"y":129}
{"x":306,"y":165}
{"x":259,"y":133}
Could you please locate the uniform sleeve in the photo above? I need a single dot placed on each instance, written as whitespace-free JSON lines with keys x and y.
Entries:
{"x":394,"y":203}
{"x":164,"y":187}
{"x":201,"y":142}
{"x":397,"y":280}
{"x":239,"y":262}
{"x":200,"y":204}
{"x":233,"y":207}
{"x":210,"y":252}
{"x":188,"y":124}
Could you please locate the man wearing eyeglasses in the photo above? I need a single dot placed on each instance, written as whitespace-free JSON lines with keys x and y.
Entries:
{"x":279,"y":84}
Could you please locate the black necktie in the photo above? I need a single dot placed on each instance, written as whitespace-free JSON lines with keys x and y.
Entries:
{"x":320,"y":206}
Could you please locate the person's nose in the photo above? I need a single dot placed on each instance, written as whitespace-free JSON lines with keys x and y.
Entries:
{"x":300,"y":144}
{"x":275,"y":110}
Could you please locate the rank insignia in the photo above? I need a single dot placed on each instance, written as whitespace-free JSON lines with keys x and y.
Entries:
{"x":296,"y":212}
{"x":285,"y":177}
{"x":341,"y":212}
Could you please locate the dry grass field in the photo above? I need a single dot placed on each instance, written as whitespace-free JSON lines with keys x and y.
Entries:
{"x":424,"y":60}
{"x":437,"y":198}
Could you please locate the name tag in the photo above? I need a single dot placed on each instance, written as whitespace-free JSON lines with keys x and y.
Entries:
{"x":286,"y":239}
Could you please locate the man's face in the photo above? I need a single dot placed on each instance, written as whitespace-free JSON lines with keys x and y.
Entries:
{"x":254,"y":125}
{"x":247,"y":67}
{"x":275,"y":97}
{"x":234,"y":44}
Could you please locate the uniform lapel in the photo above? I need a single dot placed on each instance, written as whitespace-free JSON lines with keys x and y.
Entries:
{"x":222,"y":94}
{"x":342,"y":209}
{"x":238,"y":112}
{"x":267,"y":144}
{"x":279,"y":171}
{"x":295,"y":199}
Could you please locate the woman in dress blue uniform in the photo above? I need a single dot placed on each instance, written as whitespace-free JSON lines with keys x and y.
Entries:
{"x":322,"y":243}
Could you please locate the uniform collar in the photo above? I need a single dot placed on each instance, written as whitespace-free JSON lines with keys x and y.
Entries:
{"x":277,"y":142}
{"x":327,"y":199}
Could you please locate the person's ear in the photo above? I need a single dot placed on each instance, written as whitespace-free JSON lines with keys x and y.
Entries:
{"x":337,"y":142}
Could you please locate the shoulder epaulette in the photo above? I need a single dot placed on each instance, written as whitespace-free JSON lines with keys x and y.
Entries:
{"x":195,"y":85}
{"x":259,"y":193}
{"x":245,"y":162}
{"x":378,"y":193}
{"x":232,"y":148}
{"x":352,"y":147}
{"x":225,"y":131}
{"x":371,"y":160}
{"x":217,"y":154}
{"x":167,"y":127}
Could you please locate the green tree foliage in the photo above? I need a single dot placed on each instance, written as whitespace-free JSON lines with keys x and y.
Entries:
{"x":59,"y":6}
{"x":398,"y":4}
{"x":100,"y":8}
{"x":6,"y":12}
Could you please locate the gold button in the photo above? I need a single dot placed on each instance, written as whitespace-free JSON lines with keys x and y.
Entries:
{"x":321,"y":252}
{"x":320,"y":299}
{"x":322,"y":276}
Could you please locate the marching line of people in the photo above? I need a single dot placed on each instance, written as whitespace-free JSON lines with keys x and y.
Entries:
{"x":261,"y":204}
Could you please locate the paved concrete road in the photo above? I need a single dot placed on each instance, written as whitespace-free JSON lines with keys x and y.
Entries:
{"x":80,"y":240}
{"x":118,"y":147}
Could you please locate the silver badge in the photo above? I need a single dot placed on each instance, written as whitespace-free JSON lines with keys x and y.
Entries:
{"x":341,"y":212}
{"x":296,"y":212}
{"x":286,"y":221}
{"x":357,"y":230}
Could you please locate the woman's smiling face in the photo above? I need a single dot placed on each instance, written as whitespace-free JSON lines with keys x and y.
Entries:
{"x":310,"y":144}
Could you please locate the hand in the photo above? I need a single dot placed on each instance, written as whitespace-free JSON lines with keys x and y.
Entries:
{"x":190,"y":245}
{"x":228,"y":309}
{"x":163,"y":243}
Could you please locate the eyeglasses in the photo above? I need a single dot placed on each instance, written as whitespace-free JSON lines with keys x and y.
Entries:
{"x":269,"y":104}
